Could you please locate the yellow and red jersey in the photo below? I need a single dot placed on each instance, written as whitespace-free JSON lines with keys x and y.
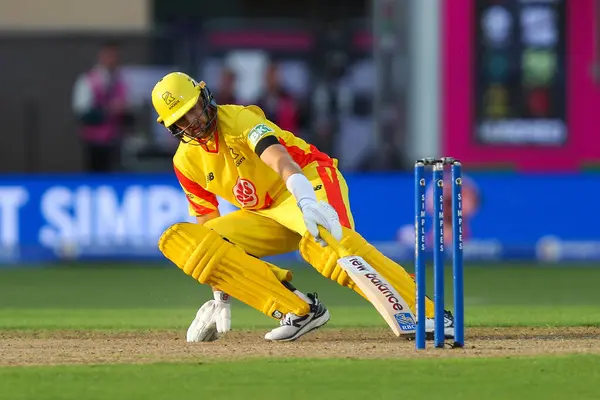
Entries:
{"x":229,"y":167}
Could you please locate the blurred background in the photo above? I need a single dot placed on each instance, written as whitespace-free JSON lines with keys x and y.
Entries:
{"x":509,"y":87}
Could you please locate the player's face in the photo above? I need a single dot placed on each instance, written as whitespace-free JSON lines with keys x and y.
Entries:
{"x":198,"y":123}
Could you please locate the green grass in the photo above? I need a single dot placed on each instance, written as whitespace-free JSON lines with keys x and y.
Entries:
{"x":557,"y":378}
{"x":122,"y":297}
{"x":125,"y":297}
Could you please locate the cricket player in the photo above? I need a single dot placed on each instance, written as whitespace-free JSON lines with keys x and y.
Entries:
{"x":285,"y":188}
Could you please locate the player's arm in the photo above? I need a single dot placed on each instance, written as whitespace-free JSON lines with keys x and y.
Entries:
{"x":262,"y":136}
{"x":277,"y":157}
{"x":263,"y":140}
{"x":272,"y":153}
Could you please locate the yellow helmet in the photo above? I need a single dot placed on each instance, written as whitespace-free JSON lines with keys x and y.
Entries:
{"x":176,"y":94}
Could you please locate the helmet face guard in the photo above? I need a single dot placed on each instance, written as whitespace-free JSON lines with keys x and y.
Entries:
{"x":188,"y":134}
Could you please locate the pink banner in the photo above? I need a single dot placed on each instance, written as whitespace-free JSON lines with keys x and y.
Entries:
{"x":582,"y":145}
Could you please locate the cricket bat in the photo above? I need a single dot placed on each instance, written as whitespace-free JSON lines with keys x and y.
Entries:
{"x":386,"y":300}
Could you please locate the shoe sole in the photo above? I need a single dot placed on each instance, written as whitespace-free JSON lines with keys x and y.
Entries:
{"x":311,"y":326}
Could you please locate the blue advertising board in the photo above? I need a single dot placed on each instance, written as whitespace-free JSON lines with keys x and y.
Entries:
{"x":45,"y":218}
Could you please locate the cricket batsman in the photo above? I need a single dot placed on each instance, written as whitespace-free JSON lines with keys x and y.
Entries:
{"x":285,"y":188}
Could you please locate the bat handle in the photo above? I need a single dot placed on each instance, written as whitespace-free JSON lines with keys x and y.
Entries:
{"x":332,"y":242}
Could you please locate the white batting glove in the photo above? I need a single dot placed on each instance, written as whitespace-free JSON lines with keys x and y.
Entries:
{"x":321,"y":213}
{"x":213,"y":320}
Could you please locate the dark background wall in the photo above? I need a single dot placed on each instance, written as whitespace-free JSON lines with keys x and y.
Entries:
{"x":37,"y":73}
{"x":38,"y":68}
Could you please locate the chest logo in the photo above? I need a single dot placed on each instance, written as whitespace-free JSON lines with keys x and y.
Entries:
{"x":236,"y":157}
{"x":245,"y":193}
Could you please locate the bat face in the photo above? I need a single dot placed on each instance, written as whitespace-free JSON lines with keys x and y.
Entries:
{"x":381,"y":294}
{"x":386,"y":300}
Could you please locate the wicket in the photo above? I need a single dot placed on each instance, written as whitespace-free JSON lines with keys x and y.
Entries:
{"x":438,"y":249}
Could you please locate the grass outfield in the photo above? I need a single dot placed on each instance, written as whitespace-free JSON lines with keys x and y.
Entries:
{"x":541,"y":378}
{"x":45,"y":311}
{"x":126,"y":297}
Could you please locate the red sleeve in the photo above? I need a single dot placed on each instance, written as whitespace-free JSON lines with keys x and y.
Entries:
{"x":201,"y":201}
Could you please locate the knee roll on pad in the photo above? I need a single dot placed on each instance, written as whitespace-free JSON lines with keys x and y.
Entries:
{"x":324,"y":260}
{"x":204,"y":255}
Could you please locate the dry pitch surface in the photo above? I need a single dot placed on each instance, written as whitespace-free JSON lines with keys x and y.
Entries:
{"x":94,"y":347}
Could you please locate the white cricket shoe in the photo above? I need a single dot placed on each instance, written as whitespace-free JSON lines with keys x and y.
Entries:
{"x":293,"y":326}
{"x":448,"y":326}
